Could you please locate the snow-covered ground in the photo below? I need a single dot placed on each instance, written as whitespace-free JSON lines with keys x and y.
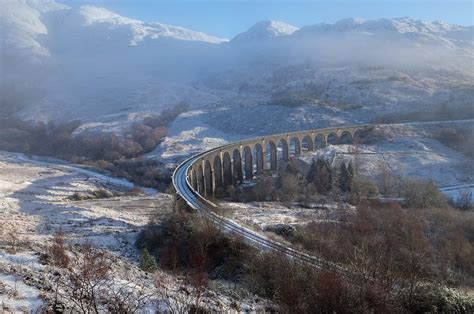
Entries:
{"x":420,"y":158}
{"x":189,"y":135}
{"x":262,"y":215}
{"x":35,"y":204}
{"x":409,"y":150}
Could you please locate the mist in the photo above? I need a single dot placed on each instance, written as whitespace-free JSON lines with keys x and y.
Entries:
{"x":94,"y":66}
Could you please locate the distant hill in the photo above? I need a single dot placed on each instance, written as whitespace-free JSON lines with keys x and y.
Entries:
{"x":89,"y":63}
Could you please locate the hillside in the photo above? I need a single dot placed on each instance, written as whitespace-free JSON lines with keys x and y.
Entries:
{"x":92,"y":64}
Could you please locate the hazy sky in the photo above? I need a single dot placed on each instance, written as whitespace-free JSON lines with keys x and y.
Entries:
{"x":226,"y":18}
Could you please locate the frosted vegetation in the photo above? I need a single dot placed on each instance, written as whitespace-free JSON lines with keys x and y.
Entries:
{"x":121,"y":102}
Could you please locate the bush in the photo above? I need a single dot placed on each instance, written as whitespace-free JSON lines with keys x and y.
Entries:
{"x":102,"y":193}
{"x":363,"y":188}
{"x":186,"y":243}
{"x":464,"y":200}
{"x":422,"y":194}
{"x":57,"y":251}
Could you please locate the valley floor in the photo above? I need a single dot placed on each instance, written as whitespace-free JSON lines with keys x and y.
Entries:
{"x":37,"y":200}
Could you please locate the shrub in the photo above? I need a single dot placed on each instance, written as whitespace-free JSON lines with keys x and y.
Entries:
{"x":102,"y":193}
{"x":186,"y":243}
{"x":57,"y":251}
{"x":422,"y":194}
{"x":363,"y":188}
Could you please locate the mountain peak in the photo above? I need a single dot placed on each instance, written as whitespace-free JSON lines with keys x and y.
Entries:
{"x":265,"y":30}
{"x":141,"y":30}
{"x":94,"y":14}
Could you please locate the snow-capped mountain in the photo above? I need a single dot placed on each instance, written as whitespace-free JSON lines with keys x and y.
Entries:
{"x":139,"y":30}
{"x":424,"y":32}
{"x":86,"y":62}
{"x":265,"y":30}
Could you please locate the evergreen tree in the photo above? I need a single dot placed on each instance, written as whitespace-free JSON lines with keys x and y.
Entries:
{"x":345,"y":178}
{"x":147,"y":261}
{"x":291,"y":167}
{"x":310,"y":176}
{"x":322,"y":176}
{"x":350,"y":168}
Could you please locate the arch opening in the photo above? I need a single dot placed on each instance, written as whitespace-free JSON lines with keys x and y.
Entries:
{"x":295,"y":146}
{"x":194,"y":180}
{"x":346,"y":138}
{"x":227,"y":170}
{"x":200,"y":180}
{"x":333,"y":139}
{"x":258,"y":155}
{"x":283,"y":150}
{"x":208,"y":178}
{"x":320,"y":141}
{"x":307,"y":144}
{"x":237,"y":174}
{"x":217,"y":173}
{"x":271,"y":156}
{"x":248,"y":163}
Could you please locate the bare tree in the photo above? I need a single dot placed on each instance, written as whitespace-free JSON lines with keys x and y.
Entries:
{"x":88,"y":285}
{"x":86,"y":278}
{"x":289,"y":187}
{"x":385,"y":179}
{"x":127,"y":297}
{"x":185,"y":299}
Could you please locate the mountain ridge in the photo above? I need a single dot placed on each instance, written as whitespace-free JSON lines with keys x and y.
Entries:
{"x":266,"y":29}
{"x":89,"y":62}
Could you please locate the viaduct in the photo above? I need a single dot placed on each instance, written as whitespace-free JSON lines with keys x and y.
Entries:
{"x":197,"y":178}
{"x":233,"y":163}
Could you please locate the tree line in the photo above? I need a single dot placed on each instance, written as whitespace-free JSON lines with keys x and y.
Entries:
{"x":118,"y":153}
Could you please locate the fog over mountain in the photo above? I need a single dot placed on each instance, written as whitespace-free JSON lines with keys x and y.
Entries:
{"x":91,"y":64}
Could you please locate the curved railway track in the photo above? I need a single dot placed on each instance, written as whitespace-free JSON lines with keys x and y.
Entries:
{"x":207,"y":209}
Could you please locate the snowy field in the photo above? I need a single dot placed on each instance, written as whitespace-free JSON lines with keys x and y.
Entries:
{"x":35,"y":204}
{"x":261,"y":216}
{"x":418,"y":158}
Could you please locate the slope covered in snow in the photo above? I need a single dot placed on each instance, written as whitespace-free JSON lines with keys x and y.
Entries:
{"x":139,"y":30}
{"x":92,"y":64}
{"x":265,"y":30}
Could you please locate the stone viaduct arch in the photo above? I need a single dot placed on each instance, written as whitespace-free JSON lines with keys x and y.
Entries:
{"x":307,"y":143}
{"x":227,"y":169}
{"x":248,"y":163}
{"x":295,"y":146}
{"x":259,"y":158}
{"x":332,"y":139}
{"x":194,"y":180}
{"x":200,"y":180}
{"x":237,"y":174}
{"x":232,"y":163}
{"x":345,"y":138}
{"x":217,"y":169}
{"x":271,"y":150}
{"x":208,"y":178}
{"x":283,"y":150}
{"x":320,"y":141}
